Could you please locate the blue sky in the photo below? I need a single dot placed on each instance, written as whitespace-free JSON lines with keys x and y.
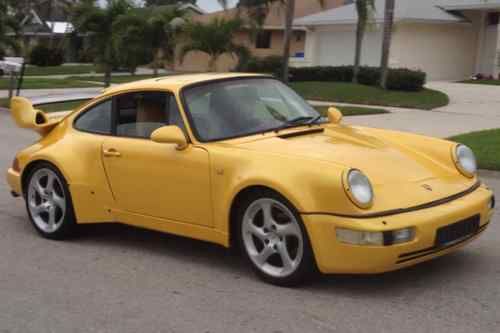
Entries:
{"x":208,"y":5}
{"x":212,"y":5}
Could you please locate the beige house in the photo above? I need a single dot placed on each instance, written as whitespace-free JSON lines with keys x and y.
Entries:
{"x":268,"y":42}
{"x":448,"y":39}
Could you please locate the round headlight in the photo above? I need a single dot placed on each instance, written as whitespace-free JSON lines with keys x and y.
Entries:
{"x":359,"y":188}
{"x":465,"y":160}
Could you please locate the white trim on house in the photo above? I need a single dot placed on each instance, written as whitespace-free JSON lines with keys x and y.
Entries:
{"x":468,"y":4}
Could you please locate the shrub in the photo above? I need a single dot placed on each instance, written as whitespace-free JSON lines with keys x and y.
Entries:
{"x":398,"y":79}
{"x":41,"y":55}
{"x":269,"y":65}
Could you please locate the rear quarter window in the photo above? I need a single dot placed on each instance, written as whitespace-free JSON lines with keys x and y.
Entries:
{"x":96,"y":119}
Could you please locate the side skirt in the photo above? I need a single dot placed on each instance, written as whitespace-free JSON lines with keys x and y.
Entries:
{"x":172,"y":227}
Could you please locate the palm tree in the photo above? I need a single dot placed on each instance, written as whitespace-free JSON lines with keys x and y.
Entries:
{"x":132,"y":41}
{"x":364,"y":9}
{"x":164,"y":26}
{"x":214,"y":38}
{"x":258,"y":10}
{"x":386,"y":42}
{"x":97,"y":24}
{"x":8,"y":29}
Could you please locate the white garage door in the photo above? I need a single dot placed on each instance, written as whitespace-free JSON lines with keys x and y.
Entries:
{"x":336,"y":48}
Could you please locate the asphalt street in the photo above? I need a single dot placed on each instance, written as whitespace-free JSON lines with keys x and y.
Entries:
{"x":115,"y":278}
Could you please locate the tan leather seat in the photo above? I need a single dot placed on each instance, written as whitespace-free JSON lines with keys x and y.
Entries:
{"x":150,"y":116}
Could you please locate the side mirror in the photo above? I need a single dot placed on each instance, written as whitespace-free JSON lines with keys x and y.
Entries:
{"x":334,"y":115}
{"x":170,"y":134}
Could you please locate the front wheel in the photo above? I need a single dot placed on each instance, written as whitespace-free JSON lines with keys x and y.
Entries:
{"x":273,"y":238}
{"x":48,"y":202}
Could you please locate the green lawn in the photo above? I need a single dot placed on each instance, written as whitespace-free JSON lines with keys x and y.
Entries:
{"x":43,"y":83}
{"x":486,"y":82}
{"x":341,"y":92}
{"x":351,"y":110}
{"x":61,"y":70}
{"x":53,"y":107}
{"x":63,"y":106}
{"x":114,"y":79}
{"x":486,"y":145}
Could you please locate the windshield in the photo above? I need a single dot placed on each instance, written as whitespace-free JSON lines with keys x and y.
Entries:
{"x":235,"y":108}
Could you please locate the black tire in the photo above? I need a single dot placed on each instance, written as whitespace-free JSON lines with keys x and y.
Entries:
{"x":67,"y":227}
{"x":307,"y":266}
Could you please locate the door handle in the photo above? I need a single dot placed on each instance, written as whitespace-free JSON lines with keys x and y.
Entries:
{"x":111,"y":153}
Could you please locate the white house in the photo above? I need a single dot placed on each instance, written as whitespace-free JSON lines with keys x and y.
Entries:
{"x":448,"y":39}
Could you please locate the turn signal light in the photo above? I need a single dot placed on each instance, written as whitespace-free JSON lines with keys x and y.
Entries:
{"x":15,"y":165}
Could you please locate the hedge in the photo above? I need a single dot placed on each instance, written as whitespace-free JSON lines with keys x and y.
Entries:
{"x":398,"y":79}
{"x":41,"y":55}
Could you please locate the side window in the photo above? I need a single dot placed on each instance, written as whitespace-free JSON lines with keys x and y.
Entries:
{"x":140,"y":114}
{"x":97,"y":119}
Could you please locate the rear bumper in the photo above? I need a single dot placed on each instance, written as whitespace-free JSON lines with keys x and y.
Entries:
{"x":14,"y":181}
{"x":333,"y":256}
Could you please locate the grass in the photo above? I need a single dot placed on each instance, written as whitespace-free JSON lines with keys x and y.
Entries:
{"x":485,"y":145}
{"x":114,"y":79}
{"x":351,"y":110}
{"x":52,"y":107}
{"x":43,"y":83}
{"x":341,"y":92}
{"x":486,"y":82}
{"x":61,"y":70}
{"x":63,"y":106}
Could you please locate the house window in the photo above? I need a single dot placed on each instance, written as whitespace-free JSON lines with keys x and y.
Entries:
{"x":263,"y":40}
{"x":493,"y":18}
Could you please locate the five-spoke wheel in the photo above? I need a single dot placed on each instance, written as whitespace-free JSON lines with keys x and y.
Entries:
{"x":48,"y":202}
{"x":273,"y":238}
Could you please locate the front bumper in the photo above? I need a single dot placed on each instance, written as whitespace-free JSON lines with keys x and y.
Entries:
{"x":333,"y":256}
{"x":14,"y":181}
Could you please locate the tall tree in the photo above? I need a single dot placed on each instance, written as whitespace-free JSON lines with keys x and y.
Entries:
{"x":259,"y":9}
{"x":149,"y":3}
{"x":364,"y":9}
{"x":386,"y":42}
{"x":8,"y":29}
{"x":214,"y":38}
{"x":164,"y":26}
{"x":97,"y":24}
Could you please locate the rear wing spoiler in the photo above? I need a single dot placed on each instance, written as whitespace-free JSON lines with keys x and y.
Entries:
{"x":27,"y":116}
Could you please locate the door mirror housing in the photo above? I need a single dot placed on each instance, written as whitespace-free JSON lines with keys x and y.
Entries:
{"x":170,"y":134}
{"x":334,"y":115}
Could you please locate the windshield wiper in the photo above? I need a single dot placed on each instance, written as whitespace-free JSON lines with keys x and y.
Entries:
{"x":315,"y":120}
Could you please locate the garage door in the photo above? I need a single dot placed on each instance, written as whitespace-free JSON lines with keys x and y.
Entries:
{"x":336,"y":48}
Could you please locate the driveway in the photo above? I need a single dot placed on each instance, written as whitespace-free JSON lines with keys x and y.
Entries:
{"x":472,"y":108}
{"x":115,"y":278}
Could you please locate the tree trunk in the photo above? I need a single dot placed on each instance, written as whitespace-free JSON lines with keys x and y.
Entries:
{"x":107,"y":75}
{"x":386,"y":43}
{"x":51,"y":18}
{"x":156,"y":56}
{"x":212,"y":63}
{"x":290,"y":13}
{"x":360,"y":34}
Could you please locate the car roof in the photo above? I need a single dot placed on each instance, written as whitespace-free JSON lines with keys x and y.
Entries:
{"x":176,"y":82}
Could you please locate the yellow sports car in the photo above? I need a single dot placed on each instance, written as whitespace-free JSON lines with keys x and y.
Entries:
{"x":241,"y":160}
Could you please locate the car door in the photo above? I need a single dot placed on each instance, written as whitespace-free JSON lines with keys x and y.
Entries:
{"x":154,"y":179}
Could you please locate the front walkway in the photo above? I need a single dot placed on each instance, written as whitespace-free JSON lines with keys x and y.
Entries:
{"x":472,"y":108}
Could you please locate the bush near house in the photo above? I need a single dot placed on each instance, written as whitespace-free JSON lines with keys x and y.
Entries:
{"x":41,"y":55}
{"x":399,"y":78}
{"x":270,"y":64}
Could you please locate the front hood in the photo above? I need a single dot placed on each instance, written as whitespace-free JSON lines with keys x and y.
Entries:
{"x":390,"y":166}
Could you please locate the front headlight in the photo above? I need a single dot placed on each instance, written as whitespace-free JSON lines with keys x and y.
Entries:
{"x":465,"y":160}
{"x":358,"y":188}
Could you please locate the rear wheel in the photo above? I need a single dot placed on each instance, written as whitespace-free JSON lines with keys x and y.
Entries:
{"x":274,"y":240}
{"x":48,"y":202}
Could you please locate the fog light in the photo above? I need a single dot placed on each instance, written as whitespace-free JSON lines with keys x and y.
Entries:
{"x":401,"y":236}
{"x":356,"y":237}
